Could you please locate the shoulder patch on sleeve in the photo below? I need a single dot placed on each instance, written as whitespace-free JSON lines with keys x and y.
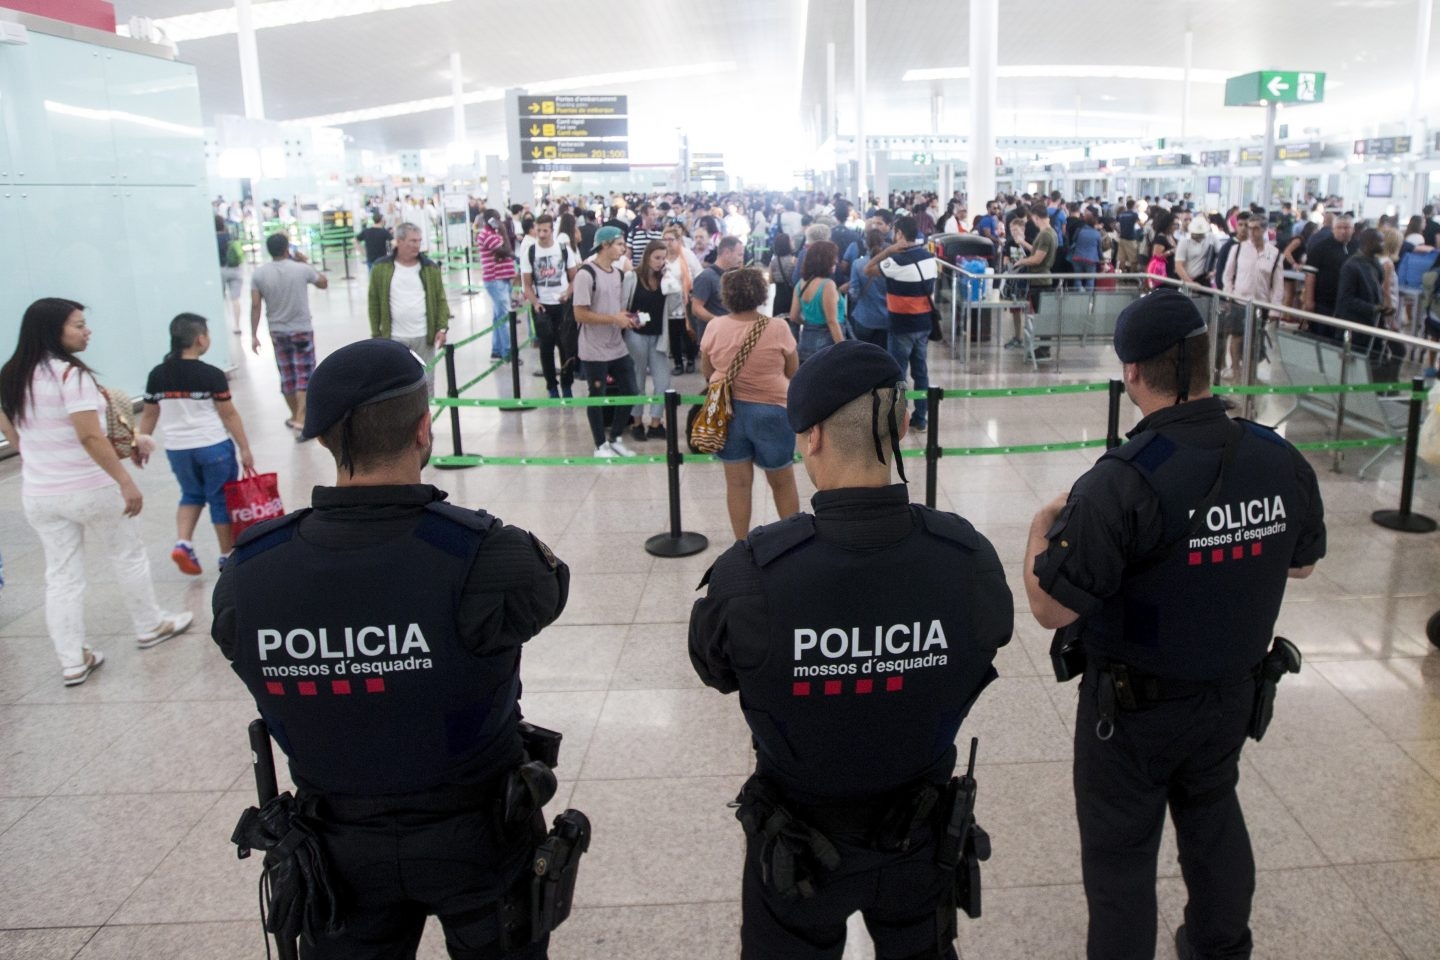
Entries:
{"x":1263,"y":432}
{"x":1145,"y":452}
{"x":946,"y":526}
{"x":477,"y":520}
{"x":263,"y":536}
{"x":772,"y":541}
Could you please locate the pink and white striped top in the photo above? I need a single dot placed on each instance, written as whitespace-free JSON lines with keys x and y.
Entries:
{"x":53,"y":461}
{"x":493,"y":266}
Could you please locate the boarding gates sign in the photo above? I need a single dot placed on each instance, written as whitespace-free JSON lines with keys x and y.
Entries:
{"x":1264,"y":87}
{"x":574,"y":134}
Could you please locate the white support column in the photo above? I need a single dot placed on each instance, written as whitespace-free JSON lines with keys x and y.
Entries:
{"x":249,"y":62}
{"x":1267,"y":163}
{"x":522,"y":185}
{"x":861,"y":146}
{"x":937,"y":113}
{"x":984,"y":54}
{"x":827,"y":130}
{"x":1185,"y":88}
{"x":1418,"y":129}
{"x":457,"y":99}
{"x":882,"y":177}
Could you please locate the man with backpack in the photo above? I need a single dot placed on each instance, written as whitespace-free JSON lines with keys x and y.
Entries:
{"x":1252,"y":272}
{"x":547,"y":269}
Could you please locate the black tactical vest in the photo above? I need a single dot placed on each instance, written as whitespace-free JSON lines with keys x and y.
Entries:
{"x":1206,"y":611}
{"x":354,"y":660}
{"x":873,"y":659}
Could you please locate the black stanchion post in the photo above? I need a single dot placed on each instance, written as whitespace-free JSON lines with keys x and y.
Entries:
{"x":674,"y":542}
{"x":452,"y":390}
{"x":932,"y":446}
{"x":1402,"y":519}
{"x":510,"y":318}
{"x":1112,"y":427}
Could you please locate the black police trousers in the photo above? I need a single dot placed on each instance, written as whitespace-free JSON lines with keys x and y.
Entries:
{"x":1184,"y":754}
{"x":394,"y":868}
{"x":897,"y":894}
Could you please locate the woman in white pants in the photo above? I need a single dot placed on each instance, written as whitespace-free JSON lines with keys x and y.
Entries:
{"x":74,"y":486}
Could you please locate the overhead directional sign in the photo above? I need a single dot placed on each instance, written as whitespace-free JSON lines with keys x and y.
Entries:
{"x":574,"y":133}
{"x":1300,"y":151}
{"x":550,"y":128}
{"x":1251,"y":155}
{"x":576,"y":105}
{"x":1274,"y":86}
{"x":566,"y":151}
{"x":575,"y":168}
{"x":1382,"y":146}
{"x":1214,"y":158}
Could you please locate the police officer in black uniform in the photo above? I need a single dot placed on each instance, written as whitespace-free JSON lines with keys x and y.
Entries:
{"x":858,"y":637}
{"x":380,"y":632}
{"x":1166,"y":565}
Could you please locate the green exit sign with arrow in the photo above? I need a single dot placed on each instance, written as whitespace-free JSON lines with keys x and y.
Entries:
{"x":1274,"y":86}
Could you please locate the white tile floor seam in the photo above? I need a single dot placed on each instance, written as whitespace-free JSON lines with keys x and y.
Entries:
{"x":1343,"y":796}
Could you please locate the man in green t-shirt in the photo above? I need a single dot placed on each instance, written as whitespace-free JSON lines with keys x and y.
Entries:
{"x":1041,"y":259}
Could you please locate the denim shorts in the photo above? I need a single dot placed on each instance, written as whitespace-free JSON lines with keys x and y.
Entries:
{"x":759,"y":432}
{"x":203,"y":473}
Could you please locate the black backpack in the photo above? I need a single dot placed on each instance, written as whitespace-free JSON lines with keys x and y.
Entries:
{"x":1222,"y":259}
{"x":567,"y":338}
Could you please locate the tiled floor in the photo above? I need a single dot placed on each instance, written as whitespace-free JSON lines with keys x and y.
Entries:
{"x":117,"y":798}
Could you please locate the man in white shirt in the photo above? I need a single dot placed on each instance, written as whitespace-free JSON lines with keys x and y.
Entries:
{"x":547,"y":269}
{"x":736,"y":223}
{"x":1253,"y":272}
{"x":407,"y":297}
{"x":1195,"y":253}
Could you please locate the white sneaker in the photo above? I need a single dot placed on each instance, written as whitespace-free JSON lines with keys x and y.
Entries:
{"x":173,"y":624}
{"x":74,"y":676}
{"x":604,"y":451}
{"x":620,"y":449}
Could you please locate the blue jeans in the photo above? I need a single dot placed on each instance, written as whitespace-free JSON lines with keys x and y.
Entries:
{"x":1088,"y":267}
{"x":813,"y":339}
{"x":202,"y":473}
{"x":908,"y":349}
{"x":648,"y":360}
{"x":499,"y":291}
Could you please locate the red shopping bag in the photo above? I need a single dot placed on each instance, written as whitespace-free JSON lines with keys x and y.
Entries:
{"x":251,"y":499}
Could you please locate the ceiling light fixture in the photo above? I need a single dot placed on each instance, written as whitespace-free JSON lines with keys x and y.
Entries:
{"x":1071,"y":72}
{"x":276,"y":13}
{"x":493,"y":94}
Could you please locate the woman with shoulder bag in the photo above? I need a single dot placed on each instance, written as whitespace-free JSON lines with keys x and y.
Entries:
{"x":74,"y":487}
{"x":758,"y":433}
{"x":782,"y":268}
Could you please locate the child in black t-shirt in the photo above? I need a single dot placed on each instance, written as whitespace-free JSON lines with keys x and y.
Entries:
{"x":202,"y":433}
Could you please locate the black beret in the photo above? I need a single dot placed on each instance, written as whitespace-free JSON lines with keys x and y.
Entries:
{"x":1155,"y":323}
{"x":359,"y":373}
{"x":834,"y":376}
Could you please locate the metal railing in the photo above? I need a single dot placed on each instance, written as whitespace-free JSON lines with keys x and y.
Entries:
{"x":1215,"y":299}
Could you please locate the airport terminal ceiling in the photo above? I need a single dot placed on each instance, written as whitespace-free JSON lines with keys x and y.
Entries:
{"x":1090,"y":68}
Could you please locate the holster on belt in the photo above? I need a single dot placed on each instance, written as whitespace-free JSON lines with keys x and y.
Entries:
{"x":962,"y":845}
{"x":301,"y":897}
{"x":556,"y":867}
{"x":792,"y":854}
{"x":1284,"y":657}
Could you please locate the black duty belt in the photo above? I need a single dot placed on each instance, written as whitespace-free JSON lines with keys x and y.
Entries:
{"x":443,"y":799}
{"x":1136,"y":688}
